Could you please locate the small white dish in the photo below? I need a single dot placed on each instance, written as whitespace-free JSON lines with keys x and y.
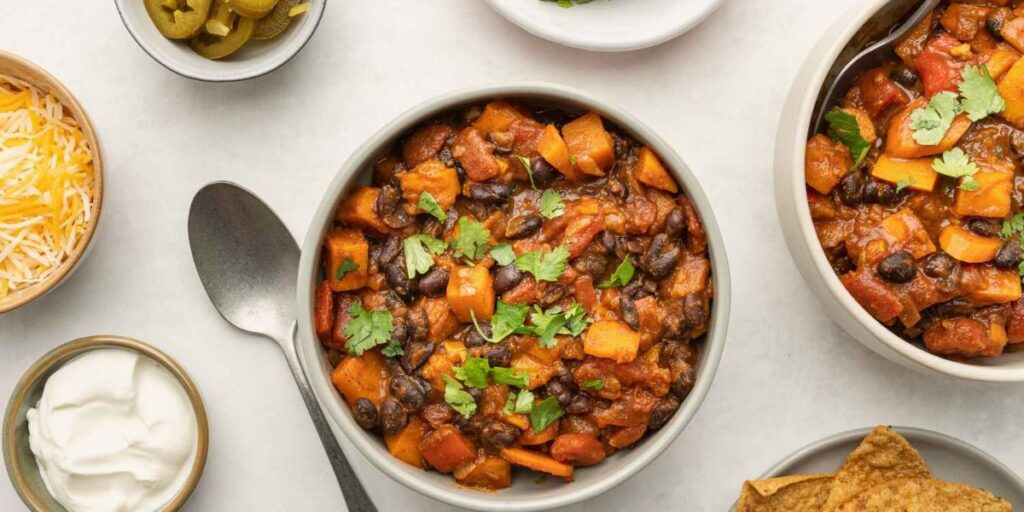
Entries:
{"x":256,"y":58}
{"x":607,"y":25}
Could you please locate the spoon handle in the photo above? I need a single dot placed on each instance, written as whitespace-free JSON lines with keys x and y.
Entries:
{"x":356,"y":498}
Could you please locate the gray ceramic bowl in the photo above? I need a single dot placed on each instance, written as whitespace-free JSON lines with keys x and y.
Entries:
{"x":525,"y":494}
{"x":949,"y":458}
{"x":18,"y":457}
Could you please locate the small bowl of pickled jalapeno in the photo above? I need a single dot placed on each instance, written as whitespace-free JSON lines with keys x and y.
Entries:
{"x":221,"y":40}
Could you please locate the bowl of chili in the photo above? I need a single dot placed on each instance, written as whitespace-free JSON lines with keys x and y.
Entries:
{"x":908,"y":230}
{"x":493,"y":336}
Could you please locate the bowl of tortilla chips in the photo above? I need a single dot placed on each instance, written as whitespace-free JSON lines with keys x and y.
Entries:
{"x":885,"y":469}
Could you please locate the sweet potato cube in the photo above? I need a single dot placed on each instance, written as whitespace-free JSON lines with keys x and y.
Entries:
{"x":497,"y":117}
{"x":905,"y":230}
{"x":358,"y":210}
{"x":537,"y":461}
{"x":471,"y":289}
{"x":900,"y":141}
{"x":967,"y":246}
{"x":590,"y":144}
{"x":432,"y":176}
{"x":361,"y":377}
{"x":826,"y":163}
{"x":1002,"y":58}
{"x":490,"y":473}
{"x":1011,"y":87}
{"x":446,"y":355}
{"x":552,"y":148}
{"x":446,"y":449}
{"x":531,"y":438}
{"x":649,"y":171}
{"x":538,"y":372}
{"x":691,"y":276}
{"x":917,"y":173}
{"x":425,"y":143}
{"x":441,"y":322}
{"x":612,"y":340}
{"x":347,"y":245}
{"x":864,"y":124}
{"x":405,"y":445}
{"x":990,"y":285}
{"x":963,"y":337}
{"x":994,"y":196}
{"x":323,"y":313}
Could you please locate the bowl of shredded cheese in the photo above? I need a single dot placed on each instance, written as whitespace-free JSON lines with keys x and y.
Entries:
{"x":50,"y":182}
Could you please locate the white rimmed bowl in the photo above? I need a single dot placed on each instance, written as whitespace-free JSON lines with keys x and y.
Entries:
{"x":795,"y":217}
{"x":256,"y":58}
{"x":607,"y":25}
{"x":525,"y":494}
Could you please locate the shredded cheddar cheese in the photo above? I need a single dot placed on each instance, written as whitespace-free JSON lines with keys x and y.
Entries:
{"x":47,"y":185}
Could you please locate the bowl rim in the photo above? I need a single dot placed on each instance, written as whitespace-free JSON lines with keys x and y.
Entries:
{"x":309,"y":347}
{"x":38,"y":77}
{"x":790,"y":186}
{"x":56,"y":357}
{"x":274,"y":59}
{"x":568,"y":38}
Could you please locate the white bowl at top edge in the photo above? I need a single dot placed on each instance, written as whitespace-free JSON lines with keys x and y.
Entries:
{"x":525,"y":494}
{"x":255,"y":59}
{"x":795,"y":217}
{"x":607,"y":25}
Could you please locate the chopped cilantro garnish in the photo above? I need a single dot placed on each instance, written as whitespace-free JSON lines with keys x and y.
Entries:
{"x":596,"y":384}
{"x":471,"y":243}
{"x":366,"y":329}
{"x":346,"y":266}
{"x":417,"y":259}
{"x":621,"y":277}
{"x":393,"y":349}
{"x":474,"y":372}
{"x":510,"y":376}
{"x":572,"y":159}
{"x":981,"y":97}
{"x":503,"y":254}
{"x":843,"y":127}
{"x":506,"y":319}
{"x":551,"y":204}
{"x":429,"y":204}
{"x":553,"y":321}
{"x":902,"y":184}
{"x":931,"y":122}
{"x":545,"y":413}
{"x":529,"y":169}
{"x":519,"y":403}
{"x":956,"y":164}
{"x":1012,"y":225}
{"x":457,"y":397}
{"x":544,"y":266}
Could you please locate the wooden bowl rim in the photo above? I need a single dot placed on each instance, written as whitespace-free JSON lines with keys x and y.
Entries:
{"x":23,"y":69}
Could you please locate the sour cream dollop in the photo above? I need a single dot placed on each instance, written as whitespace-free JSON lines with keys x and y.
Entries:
{"x":114,"y":431}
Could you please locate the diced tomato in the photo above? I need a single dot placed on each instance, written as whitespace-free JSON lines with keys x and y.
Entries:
{"x":476,"y":155}
{"x":874,"y":295}
{"x":938,"y":70}
{"x":525,"y":134}
{"x":962,"y":337}
{"x":878,"y":92}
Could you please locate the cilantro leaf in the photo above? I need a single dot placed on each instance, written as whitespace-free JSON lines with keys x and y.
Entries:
{"x":955,"y":164}
{"x":529,"y":169}
{"x":981,"y":98}
{"x":429,"y":204}
{"x":503,"y":254}
{"x":471,"y":243}
{"x":457,"y":397}
{"x":572,"y":159}
{"x":553,"y":321}
{"x":843,"y":127}
{"x":366,"y":329}
{"x":621,"y":277}
{"x":474,"y":372}
{"x":417,"y":259}
{"x":931,"y":122}
{"x":506,"y":319}
{"x":576,"y":320}
{"x":544,"y":266}
{"x":393,"y":349}
{"x":503,"y":375}
{"x":904,"y":183}
{"x":346,"y":266}
{"x":545,"y":413}
{"x":519,"y":403}
{"x":1012,"y":225}
{"x":551,"y":204}
{"x":596,"y":384}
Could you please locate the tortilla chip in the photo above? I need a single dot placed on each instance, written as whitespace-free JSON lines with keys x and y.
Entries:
{"x":806,"y":493}
{"x":925,"y":495}
{"x":882,"y":456}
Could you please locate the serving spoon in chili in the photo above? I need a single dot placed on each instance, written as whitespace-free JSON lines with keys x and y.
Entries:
{"x":849,"y":65}
{"x":248,"y":263}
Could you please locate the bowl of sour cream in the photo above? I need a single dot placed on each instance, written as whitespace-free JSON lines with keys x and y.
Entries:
{"x":105,"y":423}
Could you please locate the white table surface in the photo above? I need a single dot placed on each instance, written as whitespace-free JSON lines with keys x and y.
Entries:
{"x":788,"y":377}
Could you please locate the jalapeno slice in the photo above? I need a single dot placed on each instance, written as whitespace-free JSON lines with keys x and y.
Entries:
{"x":178,"y":19}
{"x":271,"y":25}
{"x":237,"y":29}
{"x":252,"y":8}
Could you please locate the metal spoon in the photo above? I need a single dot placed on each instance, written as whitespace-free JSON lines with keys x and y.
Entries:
{"x":847,"y":68}
{"x":248,"y":262}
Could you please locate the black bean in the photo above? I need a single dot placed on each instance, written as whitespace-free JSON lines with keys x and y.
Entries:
{"x":898,"y":267}
{"x":994,"y":26}
{"x":506,"y":278}
{"x":543,"y":172}
{"x":675,"y":223}
{"x":399,"y":331}
{"x":1010,"y":255}
{"x":416,"y":353}
{"x":397,"y":279}
{"x":434,"y":282}
{"x":490,"y":192}
{"x":560,"y":391}
{"x":851,"y":189}
{"x":388,"y":250}
{"x":640,"y":287}
{"x":662,"y":413}
{"x":334,"y":357}
{"x":552,"y":293}
{"x":393,"y":416}
{"x":695,"y":311}
{"x":473,"y":338}
{"x":445,"y":156}
{"x":581,"y":403}
{"x":903,"y":75}
{"x":954,"y":308}
{"x":843,"y":264}
{"x":407,"y":391}
{"x":398,"y":219}
{"x":661,"y":257}
{"x":940,"y":265}
{"x":497,"y":354}
{"x":522,"y":227}
{"x":683,"y":383}
{"x":628,"y":310}
{"x":387,"y":200}
{"x":878,"y":192}
{"x":593,"y":262}
{"x":496,"y":435}
{"x":418,"y":323}
{"x":983,"y":227}
{"x":608,"y":240}
{"x":476,"y":393}
{"x":365,"y":413}
{"x":392,"y":301}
